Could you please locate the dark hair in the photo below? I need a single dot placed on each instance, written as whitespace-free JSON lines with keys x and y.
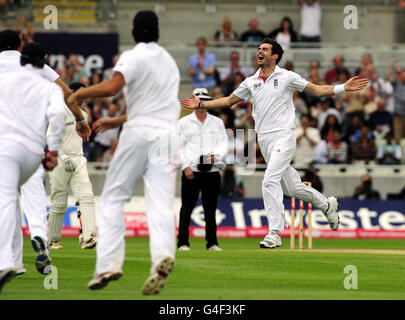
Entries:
{"x":290,"y":28}
{"x":201,"y":39}
{"x":275,"y":48}
{"x":33,"y":53}
{"x":9,"y":40}
{"x":145,"y":27}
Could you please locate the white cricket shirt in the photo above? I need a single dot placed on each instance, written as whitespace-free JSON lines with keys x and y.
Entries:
{"x":201,"y":138}
{"x":27,"y":103}
{"x":273,"y":107}
{"x":152,"y":81}
{"x":72,"y":143}
{"x":311,"y":20}
{"x":10,"y":61}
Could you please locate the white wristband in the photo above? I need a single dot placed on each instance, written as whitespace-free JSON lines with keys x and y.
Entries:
{"x":338,"y":89}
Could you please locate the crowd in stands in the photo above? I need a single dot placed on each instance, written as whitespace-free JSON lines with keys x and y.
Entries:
{"x":361,"y":127}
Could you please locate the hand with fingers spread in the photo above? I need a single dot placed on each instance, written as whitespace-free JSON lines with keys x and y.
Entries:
{"x":191,"y":103}
{"x":355,"y":84}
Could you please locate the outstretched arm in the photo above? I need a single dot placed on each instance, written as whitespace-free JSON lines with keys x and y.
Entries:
{"x":224,"y":102}
{"x":353,"y":84}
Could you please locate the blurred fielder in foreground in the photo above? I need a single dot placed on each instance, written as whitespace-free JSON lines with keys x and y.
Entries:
{"x":71,"y":171}
{"x":33,"y":195}
{"x":150,"y":79}
{"x":28,"y":102}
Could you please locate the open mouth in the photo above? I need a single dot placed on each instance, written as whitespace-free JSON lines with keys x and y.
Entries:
{"x":260,"y":58}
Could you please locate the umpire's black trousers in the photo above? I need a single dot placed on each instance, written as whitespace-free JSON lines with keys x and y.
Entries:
{"x":209,"y":183}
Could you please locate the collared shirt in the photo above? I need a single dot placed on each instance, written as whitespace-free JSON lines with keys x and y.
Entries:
{"x":201,"y":80}
{"x":10,"y":61}
{"x":197,"y":139}
{"x":27,"y":104}
{"x":152,"y":81}
{"x":273,"y":107}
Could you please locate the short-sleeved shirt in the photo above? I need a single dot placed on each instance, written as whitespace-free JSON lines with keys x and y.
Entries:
{"x":10,"y":61}
{"x":152,"y":81}
{"x":209,"y":60}
{"x":273,"y":107}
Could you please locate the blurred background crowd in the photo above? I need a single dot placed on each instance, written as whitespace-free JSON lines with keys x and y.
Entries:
{"x":366,"y":127}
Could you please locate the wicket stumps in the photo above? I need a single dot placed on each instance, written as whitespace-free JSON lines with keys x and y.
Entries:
{"x":301,"y":223}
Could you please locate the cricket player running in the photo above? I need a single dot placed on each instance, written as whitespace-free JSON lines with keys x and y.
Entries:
{"x":33,"y":195}
{"x":27,"y":104}
{"x":150,"y":79}
{"x":71,"y":171}
{"x":271,"y":88}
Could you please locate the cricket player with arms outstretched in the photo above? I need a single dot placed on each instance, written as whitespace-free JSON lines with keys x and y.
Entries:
{"x":150,"y":79}
{"x":28,"y":104}
{"x":71,"y":171}
{"x":271,"y":89}
{"x":33,"y":195}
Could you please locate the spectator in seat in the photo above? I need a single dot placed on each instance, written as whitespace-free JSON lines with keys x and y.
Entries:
{"x":381,"y":87}
{"x":366,"y":59}
{"x":226,"y":33}
{"x":202,"y":65}
{"x":338,"y":66}
{"x":107,"y":139}
{"x":228,"y":73}
{"x":337,"y":149}
{"x":380,"y":121}
{"x":253,"y":35}
{"x":311,"y":12}
{"x":307,"y":140}
{"x":363,"y":149}
{"x":365,"y":190}
{"x":389,"y":152}
{"x":285,"y":34}
{"x":331,"y":125}
{"x":370,"y":102}
{"x":399,"y":106}
{"x":231,"y":186}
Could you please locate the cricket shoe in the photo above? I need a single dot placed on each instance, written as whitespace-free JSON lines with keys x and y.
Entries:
{"x":6,"y":275}
{"x":43,"y":259}
{"x":184,"y":248}
{"x":20,"y":271}
{"x":89,"y":244}
{"x":332,"y":213}
{"x":214,"y":248}
{"x":271,"y":240}
{"x":55,"y":245}
{"x":156,"y":282}
{"x":100,"y":281}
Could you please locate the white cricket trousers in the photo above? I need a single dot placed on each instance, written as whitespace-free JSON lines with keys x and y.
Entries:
{"x":17,"y":164}
{"x":280,"y":178}
{"x":33,"y":199}
{"x":137,"y":155}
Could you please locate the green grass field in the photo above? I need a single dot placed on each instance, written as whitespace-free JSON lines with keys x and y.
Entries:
{"x":241,"y":271}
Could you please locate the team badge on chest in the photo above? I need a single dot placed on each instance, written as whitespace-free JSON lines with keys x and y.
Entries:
{"x":257,"y":85}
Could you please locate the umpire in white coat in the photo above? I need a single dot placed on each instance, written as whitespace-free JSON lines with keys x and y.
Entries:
{"x":203,"y":147}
